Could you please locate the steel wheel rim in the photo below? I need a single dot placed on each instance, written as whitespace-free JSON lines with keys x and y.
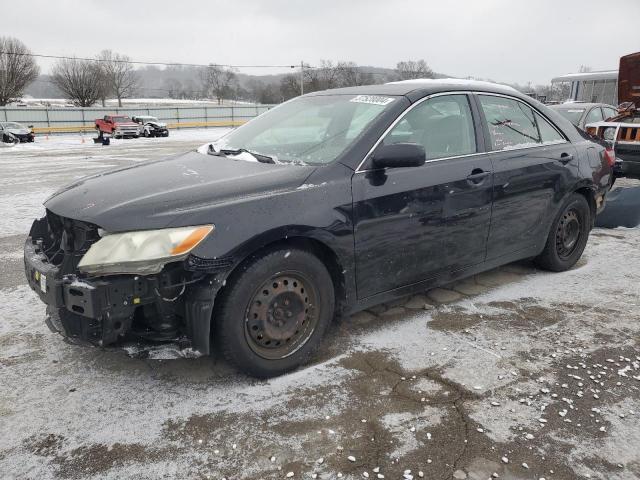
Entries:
{"x":568,"y":234}
{"x":281,"y":315}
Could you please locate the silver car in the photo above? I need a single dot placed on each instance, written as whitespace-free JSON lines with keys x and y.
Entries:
{"x":14,"y":130}
{"x":580,"y":114}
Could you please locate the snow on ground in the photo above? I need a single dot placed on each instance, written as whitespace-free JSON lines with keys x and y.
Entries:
{"x":30,"y":172}
{"x":135,"y":102}
{"x":515,"y":363}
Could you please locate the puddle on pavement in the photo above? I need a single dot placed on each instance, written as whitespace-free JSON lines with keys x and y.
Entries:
{"x":622,"y":209}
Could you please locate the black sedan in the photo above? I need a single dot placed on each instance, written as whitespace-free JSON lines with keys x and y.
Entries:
{"x":326,"y":205}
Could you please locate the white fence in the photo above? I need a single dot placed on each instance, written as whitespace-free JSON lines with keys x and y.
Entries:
{"x":60,"y":120}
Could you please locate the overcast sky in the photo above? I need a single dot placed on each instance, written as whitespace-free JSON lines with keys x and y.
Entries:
{"x":505,"y":40}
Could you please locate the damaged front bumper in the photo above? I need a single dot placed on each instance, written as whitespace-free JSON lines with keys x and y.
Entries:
{"x":101,"y":310}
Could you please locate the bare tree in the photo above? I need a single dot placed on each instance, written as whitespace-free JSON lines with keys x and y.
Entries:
{"x":120,"y":77}
{"x":79,"y":80}
{"x":173,"y":86}
{"x":289,"y":86}
{"x":409,"y":69}
{"x":17,"y":69}
{"x":328,"y":75}
{"x":322,"y":77}
{"x":350,"y":75}
{"x":217,"y":82}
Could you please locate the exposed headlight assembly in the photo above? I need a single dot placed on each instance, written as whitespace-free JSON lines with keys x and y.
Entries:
{"x":143,"y":252}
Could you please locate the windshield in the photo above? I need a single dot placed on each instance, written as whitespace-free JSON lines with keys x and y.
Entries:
{"x":308,"y":130}
{"x":13,"y":125}
{"x":571,"y":114}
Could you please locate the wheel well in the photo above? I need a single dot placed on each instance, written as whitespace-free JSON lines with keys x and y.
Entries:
{"x":587,"y":193}
{"x":326,"y":255}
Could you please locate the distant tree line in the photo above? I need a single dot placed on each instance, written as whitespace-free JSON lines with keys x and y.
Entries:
{"x":329,"y":74}
{"x":85,"y":82}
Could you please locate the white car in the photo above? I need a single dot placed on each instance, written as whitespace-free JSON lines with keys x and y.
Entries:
{"x":10,"y":131}
{"x":151,"y":126}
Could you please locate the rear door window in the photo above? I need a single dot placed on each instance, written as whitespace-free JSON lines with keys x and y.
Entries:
{"x":609,"y":112}
{"x":594,"y":115}
{"x":513,"y":124}
{"x":443,"y":125}
{"x":548,"y":133}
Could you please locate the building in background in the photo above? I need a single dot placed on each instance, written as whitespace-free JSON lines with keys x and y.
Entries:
{"x":592,"y":87}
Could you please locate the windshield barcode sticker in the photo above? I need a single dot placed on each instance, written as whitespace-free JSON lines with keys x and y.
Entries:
{"x":372,"y":99}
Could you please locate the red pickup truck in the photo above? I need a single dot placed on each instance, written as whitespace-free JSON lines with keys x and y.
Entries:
{"x":118,"y":126}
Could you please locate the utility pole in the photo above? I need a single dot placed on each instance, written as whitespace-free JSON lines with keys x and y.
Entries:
{"x":301,"y":77}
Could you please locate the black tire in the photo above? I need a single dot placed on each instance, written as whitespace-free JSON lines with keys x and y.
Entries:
{"x":249,"y":317}
{"x":568,"y":235}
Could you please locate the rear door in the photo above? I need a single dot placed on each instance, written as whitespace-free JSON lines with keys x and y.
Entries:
{"x":533,"y":167}
{"x":414,"y":223}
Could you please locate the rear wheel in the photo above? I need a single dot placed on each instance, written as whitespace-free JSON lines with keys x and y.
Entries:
{"x":568,"y":235}
{"x":275,"y":312}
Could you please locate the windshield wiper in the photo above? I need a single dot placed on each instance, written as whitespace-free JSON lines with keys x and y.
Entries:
{"x":224,"y":152}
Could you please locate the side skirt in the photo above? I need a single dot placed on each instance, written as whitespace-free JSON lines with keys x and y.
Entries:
{"x":443,"y":279}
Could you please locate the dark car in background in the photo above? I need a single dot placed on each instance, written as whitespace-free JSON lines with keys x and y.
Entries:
{"x":581,"y":114}
{"x":325,"y":205}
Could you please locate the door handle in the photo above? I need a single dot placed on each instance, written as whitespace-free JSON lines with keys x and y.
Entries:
{"x":477,"y":176}
{"x":565,"y":158}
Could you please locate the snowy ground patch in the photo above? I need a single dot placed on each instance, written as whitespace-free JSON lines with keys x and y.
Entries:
{"x":536,"y":368}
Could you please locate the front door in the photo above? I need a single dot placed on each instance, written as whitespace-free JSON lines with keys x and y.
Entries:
{"x":411,"y":224}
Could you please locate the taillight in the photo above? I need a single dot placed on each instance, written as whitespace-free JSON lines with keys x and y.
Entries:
{"x":610,"y":156}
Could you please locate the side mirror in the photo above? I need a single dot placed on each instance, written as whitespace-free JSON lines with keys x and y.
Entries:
{"x":399,"y":155}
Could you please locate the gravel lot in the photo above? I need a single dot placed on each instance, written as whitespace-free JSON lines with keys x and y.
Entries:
{"x":516,"y":372}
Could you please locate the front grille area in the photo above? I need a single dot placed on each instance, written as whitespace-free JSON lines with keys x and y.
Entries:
{"x":127,"y":130}
{"x":64,"y":240}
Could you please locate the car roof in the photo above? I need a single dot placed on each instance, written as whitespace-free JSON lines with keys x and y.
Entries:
{"x":420,"y":87}
{"x":585,"y":105}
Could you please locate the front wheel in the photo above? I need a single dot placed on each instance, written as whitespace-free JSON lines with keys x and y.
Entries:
{"x":568,"y":235}
{"x":275,"y":312}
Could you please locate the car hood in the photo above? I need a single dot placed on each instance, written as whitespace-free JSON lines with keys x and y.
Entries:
{"x":125,"y":124}
{"x":157,"y":124}
{"x":166,"y":192}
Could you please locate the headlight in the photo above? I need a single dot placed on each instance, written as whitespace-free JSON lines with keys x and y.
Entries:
{"x":144,"y":252}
